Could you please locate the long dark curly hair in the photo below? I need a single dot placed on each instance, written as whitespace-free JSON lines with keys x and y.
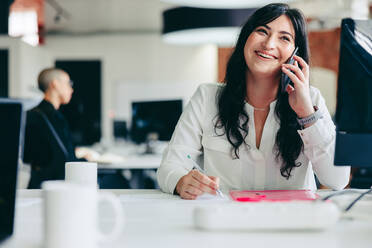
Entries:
{"x":232,"y":117}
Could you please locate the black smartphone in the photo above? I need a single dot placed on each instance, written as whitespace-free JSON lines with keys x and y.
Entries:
{"x":284,"y":80}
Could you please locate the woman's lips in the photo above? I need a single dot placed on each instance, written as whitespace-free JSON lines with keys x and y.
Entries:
{"x":264,"y":55}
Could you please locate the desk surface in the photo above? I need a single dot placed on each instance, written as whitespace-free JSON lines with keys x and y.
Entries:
{"x":126,"y":155}
{"x":155,"y":219}
{"x":137,"y":161}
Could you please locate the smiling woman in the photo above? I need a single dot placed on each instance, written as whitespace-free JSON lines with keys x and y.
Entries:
{"x":273,"y":43}
{"x":251,"y":135}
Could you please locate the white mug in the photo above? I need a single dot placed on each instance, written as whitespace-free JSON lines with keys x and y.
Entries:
{"x":84,"y":173}
{"x":71,"y":215}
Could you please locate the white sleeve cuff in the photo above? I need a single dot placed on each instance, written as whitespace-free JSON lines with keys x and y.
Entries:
{"x":173,"y":179}
{"x":316,"y":134}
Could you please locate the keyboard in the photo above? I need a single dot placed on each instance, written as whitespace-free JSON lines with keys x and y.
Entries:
{"x":291,"y":215}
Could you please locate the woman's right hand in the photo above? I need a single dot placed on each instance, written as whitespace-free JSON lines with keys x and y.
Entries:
{"x":195,"y":183}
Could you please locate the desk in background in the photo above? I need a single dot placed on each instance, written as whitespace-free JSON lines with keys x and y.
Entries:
{"x":155,"y":219}
{"x":135,"y":161}
{"x":125,"y":165}
{"x":135,"y":172}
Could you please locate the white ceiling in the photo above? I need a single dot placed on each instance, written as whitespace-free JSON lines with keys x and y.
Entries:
{"x":87,"y":16}
{"x":93,"y":16}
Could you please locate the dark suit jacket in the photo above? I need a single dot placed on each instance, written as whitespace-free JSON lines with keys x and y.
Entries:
{"x":42,"y":150}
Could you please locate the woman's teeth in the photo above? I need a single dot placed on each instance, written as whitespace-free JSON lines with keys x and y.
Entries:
{"x":265,"y":55}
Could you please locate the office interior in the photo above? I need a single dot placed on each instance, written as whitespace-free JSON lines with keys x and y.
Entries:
{"x":125,"y":72}
{"x":116,"y":55}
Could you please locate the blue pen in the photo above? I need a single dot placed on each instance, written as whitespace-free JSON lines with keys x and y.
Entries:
{"x":197,"y":167}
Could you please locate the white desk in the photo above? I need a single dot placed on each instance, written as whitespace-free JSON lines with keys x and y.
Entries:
{"x":145,"y":161}
{"x":127,"y":155}
{"x":133,"y":169}
{"x":155,"y":219}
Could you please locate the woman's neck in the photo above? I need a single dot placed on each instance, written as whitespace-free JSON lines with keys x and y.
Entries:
{"x":261,"y":91}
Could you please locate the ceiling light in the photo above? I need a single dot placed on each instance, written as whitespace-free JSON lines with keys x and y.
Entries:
{"x":224,"y":37}
{"x":24,"y":24}
{"x":191,"y":26}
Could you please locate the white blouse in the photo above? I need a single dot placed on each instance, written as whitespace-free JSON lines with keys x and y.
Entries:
{"x":256,"y":169}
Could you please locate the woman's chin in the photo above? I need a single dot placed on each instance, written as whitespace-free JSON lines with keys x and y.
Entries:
{"x":265,"y":72}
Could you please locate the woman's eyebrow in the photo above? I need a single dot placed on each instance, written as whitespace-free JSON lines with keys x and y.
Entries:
{"x":281,"y":32}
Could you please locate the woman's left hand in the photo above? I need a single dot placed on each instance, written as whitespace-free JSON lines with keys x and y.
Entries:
{"x":299,"y":95}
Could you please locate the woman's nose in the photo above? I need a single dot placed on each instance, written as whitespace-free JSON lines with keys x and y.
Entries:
{"x":269,"y":43}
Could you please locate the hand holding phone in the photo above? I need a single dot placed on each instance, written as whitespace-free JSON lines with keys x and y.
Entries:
{"x":284,"y":78}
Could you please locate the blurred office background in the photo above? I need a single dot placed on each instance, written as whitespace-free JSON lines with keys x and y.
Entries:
{"x":123,"y":61}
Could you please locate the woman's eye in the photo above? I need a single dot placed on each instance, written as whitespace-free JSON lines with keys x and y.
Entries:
{"x":261,"y":30}
{"x":285,"y":38}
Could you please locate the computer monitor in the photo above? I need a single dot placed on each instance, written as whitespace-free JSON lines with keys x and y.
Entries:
{"x":158,"y":117}
{"x":354,"y":95}
{"x":11,"y":143}
{"x":120,"y":129}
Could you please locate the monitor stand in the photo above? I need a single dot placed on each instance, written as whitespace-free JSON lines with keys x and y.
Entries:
{"x":151,"y":140}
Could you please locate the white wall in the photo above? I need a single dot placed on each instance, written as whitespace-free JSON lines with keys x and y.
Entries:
{"x":12,"y":45}
{"x":157,"y":70}
{"x":326,"y":81}
{"x":31,"y":61}
{"x":25,"y":62}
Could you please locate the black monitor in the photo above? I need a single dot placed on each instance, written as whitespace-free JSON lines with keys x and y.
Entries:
{"x":158,"y":117}
{"x":120,"y":129}
{"x":354,"y":96}
{"x":11,"y":143}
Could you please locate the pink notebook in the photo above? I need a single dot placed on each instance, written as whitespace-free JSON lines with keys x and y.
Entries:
{"x":272,"y":195}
